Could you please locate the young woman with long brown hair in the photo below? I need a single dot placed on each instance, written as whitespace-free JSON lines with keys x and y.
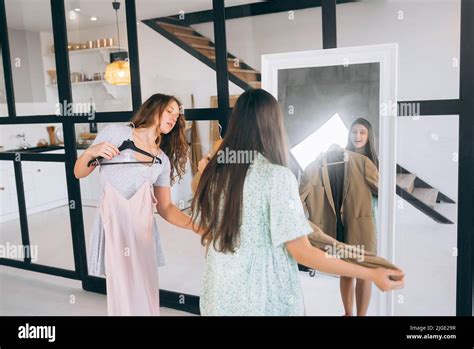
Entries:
{"x":253,"y":222}
{"x":125,"y":243}
{"x":361,"y":140}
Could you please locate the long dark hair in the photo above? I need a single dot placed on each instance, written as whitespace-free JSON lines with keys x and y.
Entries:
{"x":369,"y":148}
{"x":255,"y":124}
{"x":173,"y":144}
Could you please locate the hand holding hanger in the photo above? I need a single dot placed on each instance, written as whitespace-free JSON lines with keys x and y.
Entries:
{"x":127,"y":144}
{"x":104,"y":150}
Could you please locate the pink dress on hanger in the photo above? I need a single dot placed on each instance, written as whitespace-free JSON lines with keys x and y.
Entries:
{"x":125,"y":244}
{"x":132,"y":277}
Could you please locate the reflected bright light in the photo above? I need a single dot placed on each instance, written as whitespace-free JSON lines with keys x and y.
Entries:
{"x":72,"y":15}
{"x":331,"y":132}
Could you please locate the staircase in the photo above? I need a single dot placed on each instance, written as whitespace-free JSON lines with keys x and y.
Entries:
{"x":203,"y":49}
{"x":421,"y":195}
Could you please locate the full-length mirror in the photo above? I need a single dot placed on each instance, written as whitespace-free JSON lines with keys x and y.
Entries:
{"x":339,"y":109}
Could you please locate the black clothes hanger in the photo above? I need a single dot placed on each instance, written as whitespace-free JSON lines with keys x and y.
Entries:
{"x":335,"y":155}
{"x":127,"y":144}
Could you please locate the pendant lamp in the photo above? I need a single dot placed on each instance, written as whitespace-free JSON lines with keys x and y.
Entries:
{"x":118,"y":71}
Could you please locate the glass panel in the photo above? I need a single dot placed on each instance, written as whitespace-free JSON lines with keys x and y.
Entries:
{"x":10,"y":236}
{"x":428,"y":37}
{"x":249,"y":38}
{"x":3,"y":95}
{"x":167,"y":64}
{"x":31,"y":136}
{"x":426,"y":240}
{"x":30,"y":36}
{"x":93,"y":37}
{"x":48,"y":211}
{"x":183,"y":250}
{"x":45,"y":190}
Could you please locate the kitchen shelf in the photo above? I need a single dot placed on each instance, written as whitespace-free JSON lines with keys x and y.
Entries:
{"x":108,"y":48}
{"x":83,"y":82}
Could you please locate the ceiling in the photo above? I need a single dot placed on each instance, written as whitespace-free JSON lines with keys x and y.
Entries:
{"x":35,"y":15}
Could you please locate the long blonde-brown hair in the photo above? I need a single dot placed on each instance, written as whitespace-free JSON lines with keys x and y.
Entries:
{"x":173,"y":144}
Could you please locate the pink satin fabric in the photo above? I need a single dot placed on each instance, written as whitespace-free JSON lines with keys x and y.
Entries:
{"x":130,"y":260}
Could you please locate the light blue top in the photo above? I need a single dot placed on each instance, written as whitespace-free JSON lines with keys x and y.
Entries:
{"x":261,"y":278}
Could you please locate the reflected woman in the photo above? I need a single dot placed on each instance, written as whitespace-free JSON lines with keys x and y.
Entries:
{"x":361,"y":140}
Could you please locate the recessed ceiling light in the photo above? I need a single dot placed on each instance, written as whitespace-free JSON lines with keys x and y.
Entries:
{"x":93,"y":18}
{"x":77,"y":9}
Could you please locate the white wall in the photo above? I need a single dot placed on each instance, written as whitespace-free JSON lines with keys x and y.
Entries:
{"x":429,"y":146}
{"x":428,"y":35}
{"x":26,"y":60}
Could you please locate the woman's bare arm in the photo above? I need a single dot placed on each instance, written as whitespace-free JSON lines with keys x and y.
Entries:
{"x":305,"y":254}
{"x":105,"y":149}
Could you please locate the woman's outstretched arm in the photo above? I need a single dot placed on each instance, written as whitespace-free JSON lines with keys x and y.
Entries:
{"x":170,"y":212}
{"x":312,"y":257}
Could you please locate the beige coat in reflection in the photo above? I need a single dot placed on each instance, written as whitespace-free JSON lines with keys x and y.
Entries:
{"x":360,"y":181}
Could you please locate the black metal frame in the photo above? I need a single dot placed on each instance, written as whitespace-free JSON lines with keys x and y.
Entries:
{"x":328,"y":19}
{"x":464,"y":107}
{"x":247,"y":10}
{"x":465,"y":263}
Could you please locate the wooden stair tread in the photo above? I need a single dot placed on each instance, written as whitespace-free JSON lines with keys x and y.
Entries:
{"x":238,"y":70}
{"x":203,"y":46}
{"x":426,"y":195}
{"x":191,"y":36}
{"x":174,"y":26}
{"x":255,"y":84}
{"x":406,"y":181}
{"x":229,"y":59}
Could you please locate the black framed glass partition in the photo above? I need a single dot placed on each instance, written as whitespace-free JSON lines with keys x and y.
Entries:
{"x":195,"y":66}
{"x":3,"y":94}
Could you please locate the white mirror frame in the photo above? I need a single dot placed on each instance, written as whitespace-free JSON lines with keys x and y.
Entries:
{"x":386,"y":55}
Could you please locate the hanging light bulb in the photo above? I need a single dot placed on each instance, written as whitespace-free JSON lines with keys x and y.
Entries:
{"x":118,"y":71}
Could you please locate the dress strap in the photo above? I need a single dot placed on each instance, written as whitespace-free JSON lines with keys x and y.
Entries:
{"x":155,"y":200}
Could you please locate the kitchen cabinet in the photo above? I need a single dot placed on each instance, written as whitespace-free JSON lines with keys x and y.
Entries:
{"x":8,"y":198}
{"x":44,"y":185}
